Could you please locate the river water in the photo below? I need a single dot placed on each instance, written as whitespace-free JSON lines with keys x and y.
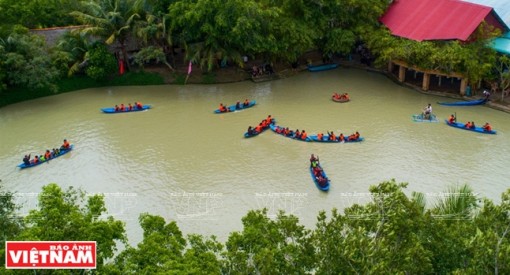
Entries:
{"x":181,"y":161}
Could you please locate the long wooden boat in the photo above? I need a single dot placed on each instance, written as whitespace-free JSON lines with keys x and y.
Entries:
{"x":232,"y":108}
{"x":322,"y":188}
{"x":464,"y":103}
{"x":62,"y":152}
{"x":325,"y":138}
{"x":460,"y":125}
{"x":273,"y":127}
{"x":112,"y":110}
{"x":420,"y":118}
{"x":323,"y":67}
{"x":254,"y":134}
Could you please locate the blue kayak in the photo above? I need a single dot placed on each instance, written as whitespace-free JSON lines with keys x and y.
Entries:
{"x":476,"y":129}
{"x":273,"y":127}
{"x":323,"y":67}
{"x":420,"y":118}
{"x":464,"y":103}
{"x":325,"y":138}
{"x":254,"y":133}
{"x":323,"y":188}
{"x":112,"y":110}
{"x":62,"y":152}
{"x":232,"y":108}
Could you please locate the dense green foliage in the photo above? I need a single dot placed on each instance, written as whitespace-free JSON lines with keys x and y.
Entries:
{"x":214,"y":32}
{"x":392,"y":233}
{"x":101,"y":64}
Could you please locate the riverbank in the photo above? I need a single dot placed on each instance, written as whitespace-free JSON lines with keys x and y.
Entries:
{"x":232,"y":73}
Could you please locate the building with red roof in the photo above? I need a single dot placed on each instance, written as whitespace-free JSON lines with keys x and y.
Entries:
{"x":438,"y":19}
{"x":433,"y":20}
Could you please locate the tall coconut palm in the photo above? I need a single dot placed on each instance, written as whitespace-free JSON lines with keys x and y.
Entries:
{"x":111,"y":20}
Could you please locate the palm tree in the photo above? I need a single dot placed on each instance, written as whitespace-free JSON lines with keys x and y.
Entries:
{"x":76,"y":46}
{"x":111,"y":20}
{"x":457,"y":202}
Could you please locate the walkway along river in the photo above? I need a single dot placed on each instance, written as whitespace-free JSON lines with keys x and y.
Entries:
{"x":183,"y":162}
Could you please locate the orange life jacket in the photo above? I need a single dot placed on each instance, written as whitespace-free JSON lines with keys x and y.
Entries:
{"x":320,"y":136}
{"x":332,"y":136}
{"x":341,"y":137}
{"x":47,"y":155}
{"x":303,"y":135}
{"x":66,"y":144}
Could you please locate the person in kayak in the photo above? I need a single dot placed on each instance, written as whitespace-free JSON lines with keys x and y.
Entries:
{"x":452,"y":119}
{"x":314,"y":161}
{"x":332,"y":136}
{"x":304,"y":135}
{"x":117,"y":108}
{"x":238,"y":105}
{"x":321,"y":180}
{"x":139,"y":105}
{"x":467,"y":125}
{"x":47,"y":155}
{"x":26,"y":159}
{"x":427,"y":111}
{"x":269,"y":120}
{"x":246,"y":103}
{"x":130,"y":107}
{"x":65,"y":145}
{"x":222,"y":108}
{"x":472,"y":125}
{"x":487,"y":127}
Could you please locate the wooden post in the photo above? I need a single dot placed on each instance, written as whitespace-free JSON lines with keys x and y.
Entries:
{"x":426,"y":81}
{"x":402,"y":73}
{"x":390,"y":67}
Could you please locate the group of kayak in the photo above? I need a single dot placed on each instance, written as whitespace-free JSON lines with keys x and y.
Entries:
{"x":320,"y":137}
{"x":48,"y":155}
{"x":427,"y":115}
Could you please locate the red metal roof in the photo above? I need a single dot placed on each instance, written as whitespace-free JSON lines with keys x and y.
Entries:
{"x":434,"y":19}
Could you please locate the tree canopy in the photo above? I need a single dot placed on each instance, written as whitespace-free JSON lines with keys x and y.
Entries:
{"x":455,"y":232}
